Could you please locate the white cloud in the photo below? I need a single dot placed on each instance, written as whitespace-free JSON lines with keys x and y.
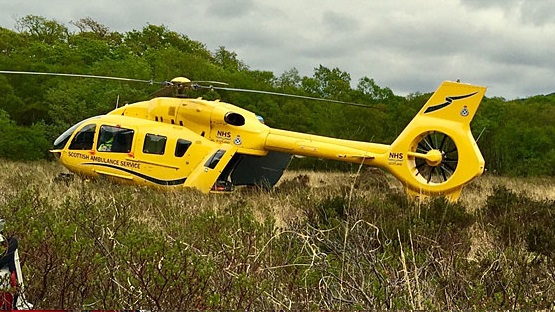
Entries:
{"x":406,"y":45}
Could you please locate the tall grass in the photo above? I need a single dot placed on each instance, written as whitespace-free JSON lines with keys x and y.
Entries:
{"x":317,"y":241}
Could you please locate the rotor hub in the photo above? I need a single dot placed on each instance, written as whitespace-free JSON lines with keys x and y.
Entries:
{"x":182,"y":80}
{"x":434,"y":157}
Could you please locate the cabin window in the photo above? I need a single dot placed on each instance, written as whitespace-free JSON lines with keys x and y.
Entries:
{"x":181,"y":147}
{"x":154,"y":144}
{"x":215,"y":159}
{"x":115,"y":139}
{"x":62,"y":140}
{"x":84,"y":139}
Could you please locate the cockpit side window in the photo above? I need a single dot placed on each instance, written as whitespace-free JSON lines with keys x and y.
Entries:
{"x":84,"y":139}
{"x":115,"y":139}
{"x":62,"y":140}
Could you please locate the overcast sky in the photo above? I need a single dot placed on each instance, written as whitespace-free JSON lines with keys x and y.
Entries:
{"x":406,"y":45}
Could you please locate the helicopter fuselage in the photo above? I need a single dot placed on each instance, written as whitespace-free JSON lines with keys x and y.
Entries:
{"x":191,"y":143}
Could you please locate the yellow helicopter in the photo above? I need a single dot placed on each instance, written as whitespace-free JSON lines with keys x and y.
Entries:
{"x":176,"y":141}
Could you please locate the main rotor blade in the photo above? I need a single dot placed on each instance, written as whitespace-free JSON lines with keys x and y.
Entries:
{"x":77,"y":75}
{"x":193,"y":84}
{"x":288,"y":95}
{"x":196,"y":82}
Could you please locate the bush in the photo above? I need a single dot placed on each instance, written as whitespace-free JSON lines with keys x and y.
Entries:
{"x":98,"y":245}
{"x":519,"y":220}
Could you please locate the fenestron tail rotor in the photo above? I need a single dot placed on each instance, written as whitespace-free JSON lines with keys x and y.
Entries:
{"x":439,"y":159}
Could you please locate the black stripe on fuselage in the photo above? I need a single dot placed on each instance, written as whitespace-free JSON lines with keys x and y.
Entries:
{"x":140,"y":175}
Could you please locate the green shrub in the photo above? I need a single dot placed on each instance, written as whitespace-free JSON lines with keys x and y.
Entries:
{"x":519,"y":220}
{"x":99,"y":245}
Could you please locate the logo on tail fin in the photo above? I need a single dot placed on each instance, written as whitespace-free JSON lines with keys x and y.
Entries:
{"x":448,"y":101}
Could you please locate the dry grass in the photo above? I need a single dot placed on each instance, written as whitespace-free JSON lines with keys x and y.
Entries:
{"x":282,"y":203}
{"x":335,"y":240}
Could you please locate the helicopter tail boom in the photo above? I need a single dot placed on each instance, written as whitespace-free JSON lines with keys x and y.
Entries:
{"x":302,"y":144}
{"x":435,"y":154}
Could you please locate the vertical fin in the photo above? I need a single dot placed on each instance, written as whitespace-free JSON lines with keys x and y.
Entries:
{"x":443,"y":166}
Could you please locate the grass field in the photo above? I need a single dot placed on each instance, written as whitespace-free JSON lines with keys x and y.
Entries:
{"x":317,"y":241}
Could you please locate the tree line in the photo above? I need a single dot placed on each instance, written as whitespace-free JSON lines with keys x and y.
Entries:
{"x":517,"y":137}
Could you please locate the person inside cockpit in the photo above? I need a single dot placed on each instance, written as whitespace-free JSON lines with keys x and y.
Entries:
{"x":106,"y":142}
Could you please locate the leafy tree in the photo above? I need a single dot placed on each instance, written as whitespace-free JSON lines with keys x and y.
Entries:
{"x":89,"y":50}
{"x":22,"y":143}
{"x":328,"y":83}
{"x":88,"y":25}
{"x":9,"y":102}
{"x":42,"y":29}
{"x":154,"y":37}
{"x":228,"y":60}
{"x":10,"y":41}
{"x":289,"y":80}
{"x":369,"y":88}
